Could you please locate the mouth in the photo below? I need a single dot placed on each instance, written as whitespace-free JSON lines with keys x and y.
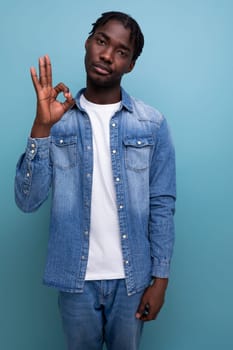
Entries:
{"x":102,"y":69}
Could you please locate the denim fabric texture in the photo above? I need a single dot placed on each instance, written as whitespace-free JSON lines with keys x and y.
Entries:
{"x":103,"y":313}
{"x":143,"y":165}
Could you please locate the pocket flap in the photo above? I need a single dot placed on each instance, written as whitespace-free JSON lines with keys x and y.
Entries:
{"x":139,"y":141}
{"x":62,"y":141}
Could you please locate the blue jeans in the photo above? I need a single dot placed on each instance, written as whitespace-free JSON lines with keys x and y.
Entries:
{"x":103,"y":313}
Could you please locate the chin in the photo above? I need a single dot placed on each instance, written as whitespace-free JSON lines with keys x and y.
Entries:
{"x":100,"y":82}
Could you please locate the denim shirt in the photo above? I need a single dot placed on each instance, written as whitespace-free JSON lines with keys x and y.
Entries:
{"x":143,"y":165}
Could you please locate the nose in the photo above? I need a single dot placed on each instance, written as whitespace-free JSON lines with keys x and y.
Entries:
{"x":107,"y":54}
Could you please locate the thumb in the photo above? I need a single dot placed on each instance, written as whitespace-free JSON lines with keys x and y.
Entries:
{"x":141,"y":309}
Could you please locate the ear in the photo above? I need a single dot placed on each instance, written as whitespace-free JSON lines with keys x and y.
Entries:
{"x":131,"y":67}
{"x":87,"y":43}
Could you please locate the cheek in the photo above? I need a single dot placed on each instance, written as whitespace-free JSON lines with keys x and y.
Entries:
{"x":88,"y":57}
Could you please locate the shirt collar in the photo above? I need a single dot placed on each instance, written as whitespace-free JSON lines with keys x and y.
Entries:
{"x":125,"y":100}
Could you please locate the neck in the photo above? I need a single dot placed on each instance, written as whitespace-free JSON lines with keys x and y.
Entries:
{"x":102,"y":95}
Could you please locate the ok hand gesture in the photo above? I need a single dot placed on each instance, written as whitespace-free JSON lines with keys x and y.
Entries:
{"x":49,"y":110}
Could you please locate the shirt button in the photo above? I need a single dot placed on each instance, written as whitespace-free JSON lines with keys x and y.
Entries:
{"x":28,"y":174}
{"x":113,"y":125}
{"x":83,"y":257}
{"x":33,"y":145}
{"x":88,"y":174}
{"x":139,"y":142}
{"x":61,"y":141}
{"x":32,"y":151}
{"x":88,"y":147}
{"x":126,"y":262}
{"x":117,"y":179}
{"x":113,"y":151}
{"x":86,"y":233}
{"x":124,"y":236}
{"x":121,"y":206}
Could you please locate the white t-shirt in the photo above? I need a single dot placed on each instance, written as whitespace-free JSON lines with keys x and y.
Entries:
{"x":105,"y":259}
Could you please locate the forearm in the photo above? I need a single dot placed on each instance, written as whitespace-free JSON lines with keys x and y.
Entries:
{"x":33,"y":175}
{"x":162,"y":203}
{"x":162,"y":235}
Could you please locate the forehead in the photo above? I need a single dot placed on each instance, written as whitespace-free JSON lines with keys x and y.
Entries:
{"x":115,"y":31}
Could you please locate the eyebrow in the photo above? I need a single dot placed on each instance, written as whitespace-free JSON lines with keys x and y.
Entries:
{"x":108,"y":38}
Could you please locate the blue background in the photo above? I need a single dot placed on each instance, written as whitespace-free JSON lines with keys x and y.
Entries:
{"x":186,"y":71}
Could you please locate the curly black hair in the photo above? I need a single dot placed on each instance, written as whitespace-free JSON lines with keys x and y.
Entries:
{"x":136,"y":35}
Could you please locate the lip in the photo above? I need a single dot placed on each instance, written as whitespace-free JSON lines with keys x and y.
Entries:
{"x":102,"y":68}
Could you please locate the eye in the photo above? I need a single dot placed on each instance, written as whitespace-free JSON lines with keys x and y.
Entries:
{"x":122,"y":53}
{"x":100,"y":41}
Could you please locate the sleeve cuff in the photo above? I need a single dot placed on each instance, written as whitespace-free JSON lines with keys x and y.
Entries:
{"x":38,"y":147}
{"x":161,"y":268}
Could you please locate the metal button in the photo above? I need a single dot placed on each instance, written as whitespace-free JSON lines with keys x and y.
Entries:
{"x":113,"y":125}
{"x":33,"y":145}
{"x":121,"y":206}
{"x":28,"y":174}
{"x":139,"y":142}
{"x":61,"y":141}
{"x":126,"y":262}
{"x":86,"y":233}
{"x":32,"y":151}
{"x":124,"y":236}
{"x":117,"y":179}
{"x":113,"y":151}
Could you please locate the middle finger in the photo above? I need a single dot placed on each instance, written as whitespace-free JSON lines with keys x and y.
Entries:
{"x":42,"y":72}
{"x":48,"y":70}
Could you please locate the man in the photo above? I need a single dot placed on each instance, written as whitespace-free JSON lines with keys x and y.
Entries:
{"x":110,"y":163}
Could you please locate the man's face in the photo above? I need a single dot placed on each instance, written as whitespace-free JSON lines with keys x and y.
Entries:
{"x":109,"y":53}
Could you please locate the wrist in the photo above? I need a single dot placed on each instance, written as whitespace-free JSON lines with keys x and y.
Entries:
{"x":40,"y":131}
{"x":159,"y":282}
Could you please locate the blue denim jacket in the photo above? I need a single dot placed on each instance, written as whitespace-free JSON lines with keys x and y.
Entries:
{"x":143,"y":164}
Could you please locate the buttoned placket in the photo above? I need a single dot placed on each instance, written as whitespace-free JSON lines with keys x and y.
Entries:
{"x":88,"y":173}
{"x":119,"y":188}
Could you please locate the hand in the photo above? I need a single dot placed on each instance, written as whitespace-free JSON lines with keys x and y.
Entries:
{"x":152,"y":300}
{"x":49,"y":110}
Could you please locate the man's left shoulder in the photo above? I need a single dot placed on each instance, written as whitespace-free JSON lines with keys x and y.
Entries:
{"x":144,"y":111}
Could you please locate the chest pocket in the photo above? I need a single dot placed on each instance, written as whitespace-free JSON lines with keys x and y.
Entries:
{"x":137,"y":152}
{"x":64,"y":151}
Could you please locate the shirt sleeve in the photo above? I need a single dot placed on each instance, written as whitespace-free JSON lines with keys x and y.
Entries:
{"x":162,"y":202}
{"x":33,"y":175}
